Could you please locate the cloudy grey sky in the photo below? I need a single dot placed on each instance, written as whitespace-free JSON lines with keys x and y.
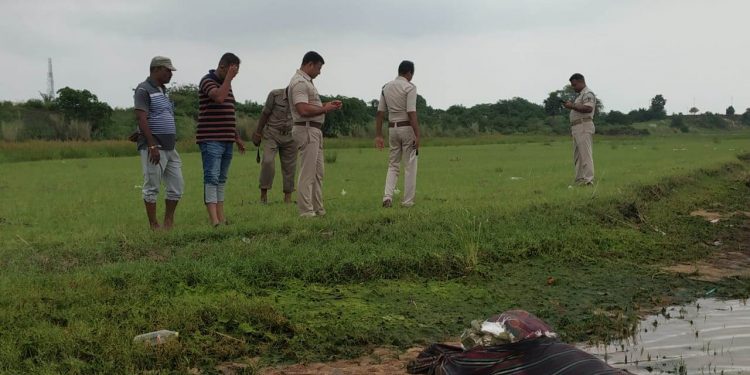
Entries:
{"x":466,"y":52}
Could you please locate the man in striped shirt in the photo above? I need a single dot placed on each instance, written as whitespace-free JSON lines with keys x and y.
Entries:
{"x":217,"y":133}
{"x":157,"y":136}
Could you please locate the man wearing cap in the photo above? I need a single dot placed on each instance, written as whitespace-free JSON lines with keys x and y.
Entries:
{"x":275,"y":129}
{"x":582,"y":110}
{"x":399,"y":98}
{"x":156,"y":141}
{"x":308,"y":115}
{"x":217,"y":133}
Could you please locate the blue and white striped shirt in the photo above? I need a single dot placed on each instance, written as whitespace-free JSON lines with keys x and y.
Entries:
{"x":152,"y":99}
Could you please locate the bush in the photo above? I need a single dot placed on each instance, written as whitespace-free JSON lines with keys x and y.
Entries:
{"x":621,"y":130}
{"x":78,"y":131}
{"x":12,"y":131}
{"x":679,"y":123}
{"x":185,"y":127}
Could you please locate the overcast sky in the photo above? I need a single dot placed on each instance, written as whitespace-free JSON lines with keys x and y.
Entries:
{"x":466,"y":52}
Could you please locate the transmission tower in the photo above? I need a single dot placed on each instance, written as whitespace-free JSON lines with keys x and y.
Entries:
{"x":50,"y":80}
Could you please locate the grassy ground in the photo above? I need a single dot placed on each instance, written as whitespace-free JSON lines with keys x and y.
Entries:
{"x":82,"y":275}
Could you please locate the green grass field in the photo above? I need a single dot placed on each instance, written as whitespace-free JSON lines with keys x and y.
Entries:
{"x":82,"y":275}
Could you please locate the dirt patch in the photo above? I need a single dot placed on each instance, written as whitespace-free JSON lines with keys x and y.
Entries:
{"x":720,"y":266}
{"x":380,"y":361}
{"x":732,"y":258}
{"x":714,"y":217}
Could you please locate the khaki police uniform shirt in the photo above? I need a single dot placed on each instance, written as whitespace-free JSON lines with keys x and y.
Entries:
{"x":302,"y":90}
{"x":398,"y":97}
{"x":277,"y":109}
{"x":587,"y":98}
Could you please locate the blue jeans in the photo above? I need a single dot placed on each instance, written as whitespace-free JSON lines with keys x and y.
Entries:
{"x":216,"y":158}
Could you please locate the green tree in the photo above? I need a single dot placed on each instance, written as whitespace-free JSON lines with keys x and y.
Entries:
{"x":694,"y":110}
{"x":618,"y":118}
{"x":185,"y":99}
{"x":657,"y":111}
{"x":730,"y":111}
{"x":746,"y":117}
{"x":553,"y":104}
{"x":354,"y":113}
{"x":82,"y":105}
{"x":250,"y":108}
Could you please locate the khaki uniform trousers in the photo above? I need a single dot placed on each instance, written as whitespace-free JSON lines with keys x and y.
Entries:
{"x":309,"y":142}
{"x":274,"y":140}
{"x":583,"y":152}
{"x":401,"y":140}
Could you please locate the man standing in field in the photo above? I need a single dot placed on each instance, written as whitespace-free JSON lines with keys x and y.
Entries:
{"x":156,"y":141}
{"x":275,"y":128}
{"x":308,"y":115}
{"x":582,"y":110}
{"x":217,"y":133}
{"x":399,"y":98}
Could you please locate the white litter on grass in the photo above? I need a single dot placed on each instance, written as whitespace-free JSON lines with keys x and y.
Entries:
{"x":679,"y":149}
{"x":516,"y":178}
{"x":717,"y":243}
{"x":246,"y":240}
{"x":570,"y":186}
{"x":493,"y":328}
{"x":137,"y":187}
{"x":714,"y":221}
{"x":396,"y":191}
{"x":343,"y":192}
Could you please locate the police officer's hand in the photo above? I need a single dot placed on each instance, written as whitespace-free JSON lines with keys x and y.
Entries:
{"x":330,"y":106}
{"x":379,"y":142}
{"x":337,"y":103}
{"x":256,"y":139}
{"x":232,"y":71}
{"x":416,"y":143}
{"x":153,"y":155}
{"x":568,"y":104}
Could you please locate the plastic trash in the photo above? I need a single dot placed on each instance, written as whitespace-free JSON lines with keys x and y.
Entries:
{"x":508,"y":327}
{"x":157,"y":337}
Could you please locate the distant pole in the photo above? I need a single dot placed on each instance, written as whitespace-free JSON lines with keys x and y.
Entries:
{"x":50,"y":80}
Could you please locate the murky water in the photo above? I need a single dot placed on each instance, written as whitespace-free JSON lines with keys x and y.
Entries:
{"x":705,"y":337}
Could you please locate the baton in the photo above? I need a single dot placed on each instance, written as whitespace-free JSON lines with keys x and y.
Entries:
{"x":257,"y":156}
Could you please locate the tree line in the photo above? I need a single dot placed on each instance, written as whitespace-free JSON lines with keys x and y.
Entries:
{"x":79,"y":115}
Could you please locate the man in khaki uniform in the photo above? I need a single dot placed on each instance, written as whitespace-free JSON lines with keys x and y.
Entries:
{"x":275,"y":129}
{"x":308,"y":115}
{"x":399,"y":98}
{"x":582,"y":128}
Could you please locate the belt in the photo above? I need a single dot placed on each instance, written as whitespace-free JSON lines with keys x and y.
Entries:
{"x":398,"y":124}
{"x":312,"y":124}
{"x":581,"y":121}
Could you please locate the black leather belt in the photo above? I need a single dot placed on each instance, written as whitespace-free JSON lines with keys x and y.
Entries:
{"x":398,"y":124}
